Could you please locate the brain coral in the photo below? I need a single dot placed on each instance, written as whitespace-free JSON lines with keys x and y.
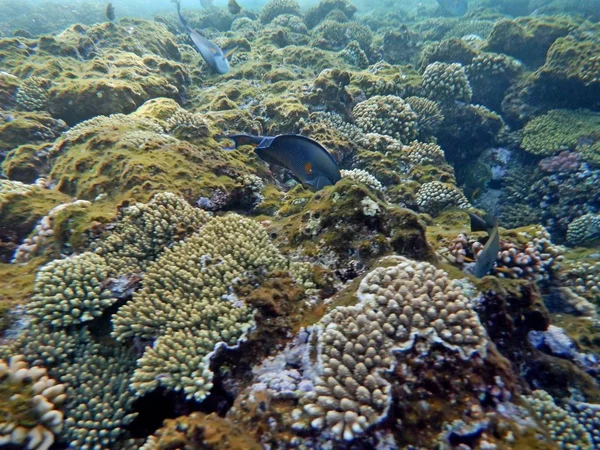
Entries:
{"x":27,"y":405}
{"x":187,"y":303}
{"x":446,"y":82}
{"x":387,"y":114}
{"x":398,"y":305}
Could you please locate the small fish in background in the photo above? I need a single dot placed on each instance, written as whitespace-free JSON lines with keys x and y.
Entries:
{"x":454,"y":7}
{"x":307,"y":161}
{"x":487,"y":257}
{"x":210,"y":52}
{"x":110,"y":12}
{"x":207,"y":4}
{"x":233,"y":7}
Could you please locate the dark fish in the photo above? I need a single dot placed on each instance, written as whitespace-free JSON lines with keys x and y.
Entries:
{"x":307,"y":160}
{"x":233,"y":7}
{"x":454,"y":7}
{"x":110,"y":12}
{"x":488,"y":255}
{"x":211,"y":53}
{"x":482,"y":224}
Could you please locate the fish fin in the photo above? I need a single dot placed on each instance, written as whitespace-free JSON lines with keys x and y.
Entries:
{"x":229,"y":52}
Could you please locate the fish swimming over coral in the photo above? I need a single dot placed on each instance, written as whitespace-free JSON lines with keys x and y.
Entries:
{"x":307,"y":160}
{"x":110,"y":12}
{"x":210,"y":52}
{"x":454,"y":7}
{"x":233,"y":7}
{"x":487,"y":257}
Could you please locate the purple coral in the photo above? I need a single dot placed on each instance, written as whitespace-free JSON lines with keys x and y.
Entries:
{"x":563,"y":162}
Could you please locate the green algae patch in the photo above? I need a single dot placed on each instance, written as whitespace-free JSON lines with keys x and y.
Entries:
{"x":21,"y":207}
{"x":16,"y":287}
{"x":26,"y":163}
{"x":28,"y":128}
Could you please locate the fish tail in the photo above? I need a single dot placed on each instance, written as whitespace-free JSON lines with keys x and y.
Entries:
{"x":178,"y":5}
{"x":243,"y":139}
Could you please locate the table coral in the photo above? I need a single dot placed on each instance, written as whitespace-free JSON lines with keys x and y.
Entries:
{"x":187,"y":289}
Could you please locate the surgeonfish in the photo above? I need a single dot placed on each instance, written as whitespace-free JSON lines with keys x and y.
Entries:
{"x":211,"y":53}
{"x":110,"y":12}
{"x":307,"y":160}
{"x":454,"y":7}
{"x":233,"y":7}
{"x":488,"y":255}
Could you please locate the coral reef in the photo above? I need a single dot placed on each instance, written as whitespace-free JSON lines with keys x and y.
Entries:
{"x":446,"y":82}
{"x":29,"y":401}
{"x":389,"y":115}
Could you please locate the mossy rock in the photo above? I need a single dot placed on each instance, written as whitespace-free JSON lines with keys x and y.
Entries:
{"x":529,"y":38}
{"x":569,"y":78}
{"x":9,"y":84}
{"x":449,"y":51}
{"x":20,"y":211}
{"x":28,"y":128}
{"x":352,"y":222}
{"x":26,"y":163}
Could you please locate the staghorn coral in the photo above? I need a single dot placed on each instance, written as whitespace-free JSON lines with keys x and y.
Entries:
{"x":70,"y":291}
{"x":435,"y":196}
{"x":584,"y":231}
{"x":429,"y":116}
{"x":33,"y":94}
{"x":560,"y":130}
{"x":186,"y":303}
{"x":276,"y":8}
{"x":28,"y":400}
{"x":446,"y":82}
{"x":397,"y":306}
{"x":386,"y":115}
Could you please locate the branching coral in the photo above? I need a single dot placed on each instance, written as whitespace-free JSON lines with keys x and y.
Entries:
{"x":429,"y":115}
{"x":33,"y":94}
{"x":559,"y":130}
{"x":186,"y":303}
{"x":584,"y":230}
{"x":276,"y":8}
{"x":387,"y":115}
{"x":143,"y":231}
{"x":362,"y":176}
{"x":27,"y":405}
{"x":446,"y":82}
{"x":436,"y":196}
{"x":398,"y":306}
{"x":71,"y":290}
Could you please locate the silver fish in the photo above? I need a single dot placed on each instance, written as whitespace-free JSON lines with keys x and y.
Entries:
{"x":210,"y":52}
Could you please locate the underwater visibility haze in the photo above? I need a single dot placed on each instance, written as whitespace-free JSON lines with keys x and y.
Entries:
{"x":288,"y":224}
